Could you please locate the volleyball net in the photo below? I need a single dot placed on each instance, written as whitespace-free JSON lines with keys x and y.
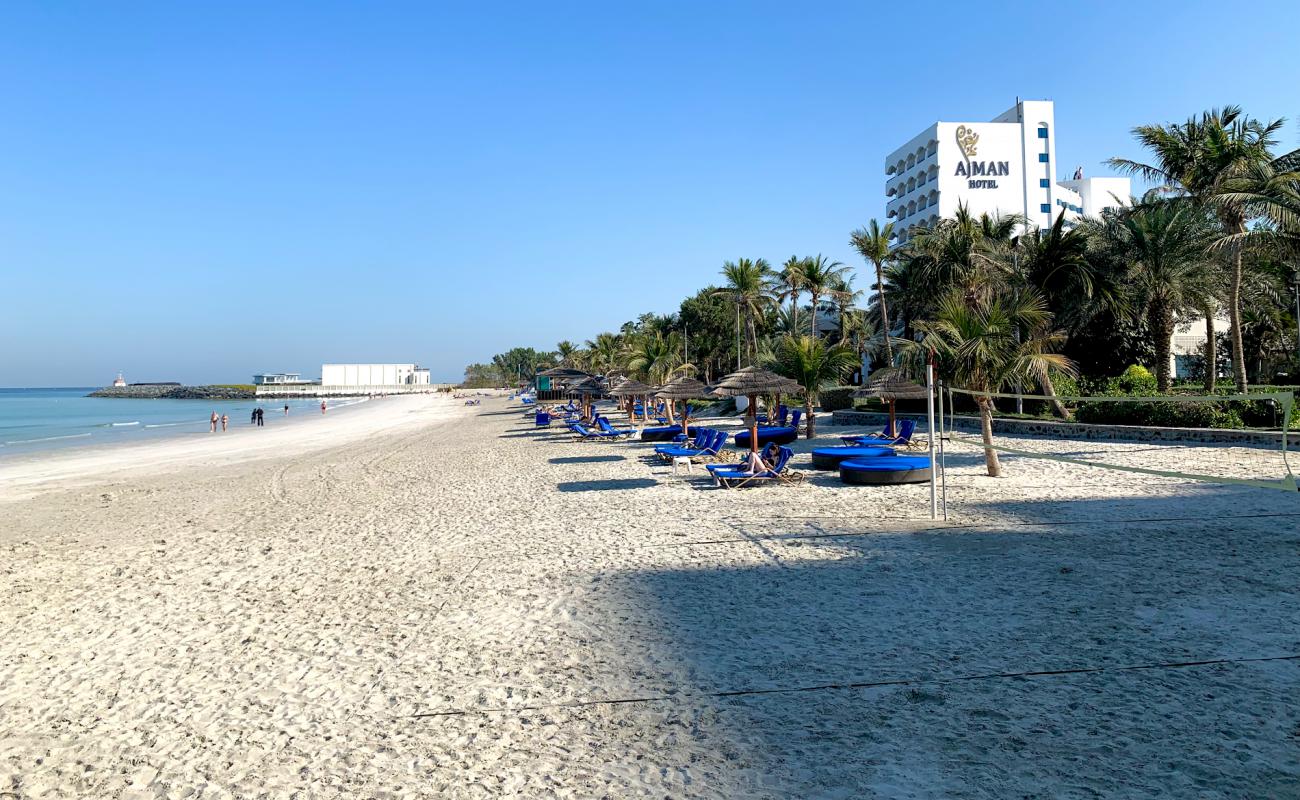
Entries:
{"x":1251,"y":457}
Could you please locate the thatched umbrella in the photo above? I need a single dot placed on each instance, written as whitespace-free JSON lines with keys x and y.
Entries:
{"x":683,"y":388}
{"x":890,"y":386}
{"x":630,"y":388}
{"x":586,"y":390}
{"x":751,"y":382}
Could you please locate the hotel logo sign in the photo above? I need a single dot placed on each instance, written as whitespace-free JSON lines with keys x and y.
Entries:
{"x":977,"y":173}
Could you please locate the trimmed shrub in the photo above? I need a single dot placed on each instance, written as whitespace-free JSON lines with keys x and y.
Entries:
{"x":1163,"y":414}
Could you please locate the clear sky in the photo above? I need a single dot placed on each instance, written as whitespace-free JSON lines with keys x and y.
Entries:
{"x":198,"y":192}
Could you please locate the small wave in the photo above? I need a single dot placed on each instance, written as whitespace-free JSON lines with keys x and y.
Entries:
{"x":50,"y":438}
{"x":174,"y":424}
{"x":120,"y":424}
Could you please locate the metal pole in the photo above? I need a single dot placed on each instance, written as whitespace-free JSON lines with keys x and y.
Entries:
{"x":929,"y":415}
{"x":943,"y":465}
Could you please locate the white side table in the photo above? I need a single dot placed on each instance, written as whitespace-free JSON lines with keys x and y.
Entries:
{"x":680,"y":462}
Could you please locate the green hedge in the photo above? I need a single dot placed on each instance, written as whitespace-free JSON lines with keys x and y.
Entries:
{"x":836,"y":398}
{"x":1162,"y":413}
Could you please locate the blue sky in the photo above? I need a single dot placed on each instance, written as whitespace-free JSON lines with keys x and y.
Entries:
{"x":198,"y":192}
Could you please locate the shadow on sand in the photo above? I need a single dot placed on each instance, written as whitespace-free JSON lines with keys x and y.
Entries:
{"x":585,"y":459}
{"x":606,"y":485}
{"x":838,"y":664}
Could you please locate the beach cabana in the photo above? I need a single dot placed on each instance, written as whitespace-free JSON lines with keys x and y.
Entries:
{"x":752,"y":382}
{"x":891,"y":386}
{"x":683,"y":388}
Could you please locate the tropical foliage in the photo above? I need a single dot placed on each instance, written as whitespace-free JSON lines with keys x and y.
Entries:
{"x":1002,"y":305}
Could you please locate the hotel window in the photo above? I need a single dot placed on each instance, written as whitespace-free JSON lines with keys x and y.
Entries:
{"x":1046,"y":208}
{"x":1042,"y":157}
{"x":1044,"y":183}
{"x":1042,"y":132}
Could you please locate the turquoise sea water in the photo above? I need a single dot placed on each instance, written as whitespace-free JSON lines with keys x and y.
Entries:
{"x":34,"y":420}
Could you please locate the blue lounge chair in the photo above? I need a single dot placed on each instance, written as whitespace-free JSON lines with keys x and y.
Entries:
{"x":735,"y":478}
{"x":712,"y":444}
{"x":906,"y":427}
{"x":587,"y":434}
{"x":621,"y":433}
{"x":769,"y":454}
{"x":679,"y":441}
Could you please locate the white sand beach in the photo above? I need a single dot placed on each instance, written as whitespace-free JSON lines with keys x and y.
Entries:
{"x":423,"y":599}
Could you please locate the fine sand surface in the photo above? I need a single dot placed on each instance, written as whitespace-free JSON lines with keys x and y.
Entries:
{"x":464,"y":606}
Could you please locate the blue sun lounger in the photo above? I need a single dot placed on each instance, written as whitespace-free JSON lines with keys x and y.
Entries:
{"x":713,"y":442}
{"x":735,"y":478}
{"x":587,"y":434}
{"x":906,"y":427}
{"x":680,"y":442}
{"x":621,"y":433}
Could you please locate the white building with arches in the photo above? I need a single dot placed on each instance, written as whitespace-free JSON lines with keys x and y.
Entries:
{"x":1006,"y":165}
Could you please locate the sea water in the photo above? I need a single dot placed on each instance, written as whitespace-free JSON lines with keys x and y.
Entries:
{"x":33,"y":420}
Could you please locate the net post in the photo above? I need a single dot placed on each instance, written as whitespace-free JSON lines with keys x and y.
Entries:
{"x":929,"y":417}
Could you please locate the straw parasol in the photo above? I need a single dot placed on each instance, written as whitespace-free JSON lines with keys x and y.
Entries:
{"x":752,"y":382}
{"x":683,"y":387}
{"x":586,"y":390}
{"x":890,"y":386}
{"x":630,"y":387}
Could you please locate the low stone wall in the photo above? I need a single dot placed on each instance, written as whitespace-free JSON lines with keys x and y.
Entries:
{"x":1078,"y":430}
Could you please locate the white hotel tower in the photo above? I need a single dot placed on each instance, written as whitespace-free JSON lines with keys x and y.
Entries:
{"x":1007,"y":165}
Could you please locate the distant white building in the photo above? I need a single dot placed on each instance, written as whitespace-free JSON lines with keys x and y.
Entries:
{"x":279,"y":379}
{"x":377,"y":375}
{"x":1006,"y":165}
{"x":1187,"y":347}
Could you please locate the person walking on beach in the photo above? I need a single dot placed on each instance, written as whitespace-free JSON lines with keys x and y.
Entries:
{"x":225,"y":420}
{"x":322,"y":406}
{"x":212,"y":423}
{"x":286,"y":409}
{"x":252,"y":420}
{"x":260,"y":414}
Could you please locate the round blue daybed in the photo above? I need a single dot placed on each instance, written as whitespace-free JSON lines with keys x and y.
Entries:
{"x":885,"y":471}
{"x":767,"y":436}
{"x":830,"y":457}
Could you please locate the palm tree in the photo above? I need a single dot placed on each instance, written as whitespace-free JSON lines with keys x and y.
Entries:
{"x":966,"y":252}
{"x":1055,"y":262}
{"x":788,"y":285}
{"x":872,"y":243}
{"x":976,"y":344}
{"x":655,"y":358}
{"x":819,"y":277}
{"x":844,"y":297}
{"x":606,"y":352}
{"x":747,"y":288}
{"x":1210,"y":160}
{"x":813,"y":364}
{"x":565,"y":351}
{"x":1165,"y":242}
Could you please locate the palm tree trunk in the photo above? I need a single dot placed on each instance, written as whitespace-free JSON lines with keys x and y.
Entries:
{"x":813,"y":326}
{"x":1211,"y":353}
{"x":811,"y":430}
{"x":1058,"y":407}
{"x":986,"y":433}
{"x":1238,"y":348}
{"x":1162,"y":327}
{"x":884,"y":315}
